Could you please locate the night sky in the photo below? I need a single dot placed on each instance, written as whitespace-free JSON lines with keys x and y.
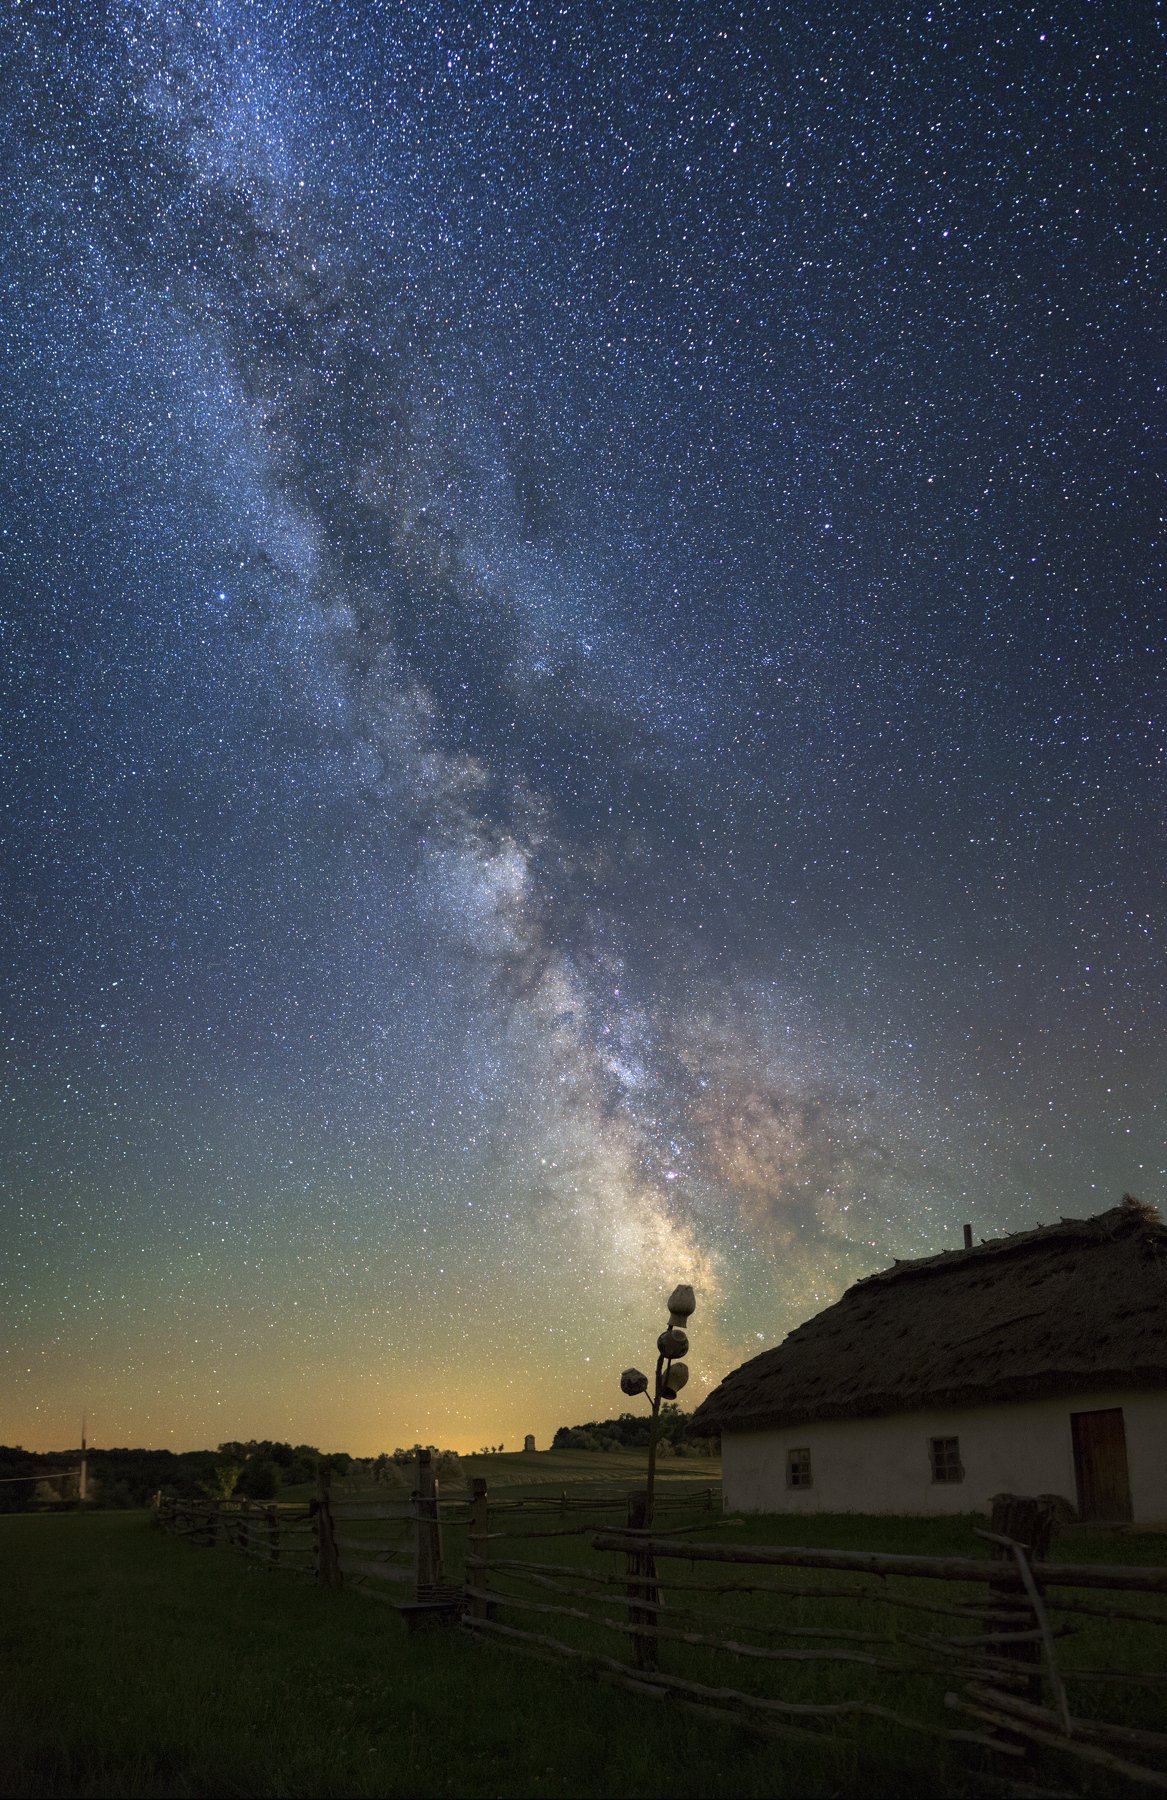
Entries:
{"x":583,"y":659}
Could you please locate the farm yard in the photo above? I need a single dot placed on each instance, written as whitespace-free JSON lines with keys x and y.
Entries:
{"x":136,"y":1664}
{"x":582,"y":800}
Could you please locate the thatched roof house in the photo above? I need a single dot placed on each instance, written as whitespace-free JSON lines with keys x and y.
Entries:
{"x":1077,"y":1310}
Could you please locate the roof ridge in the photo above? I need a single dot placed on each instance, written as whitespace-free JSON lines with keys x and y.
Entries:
{"x":1129,"y":1214}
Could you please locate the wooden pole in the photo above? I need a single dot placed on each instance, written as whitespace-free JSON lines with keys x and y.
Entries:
{"x":1016,"y":1519}
{"x":327,"y":1559}
{"x":643,"y":1595}
{"x":429,"y":1530}
{"x":1020,"y":1521}
{"x":653,"y":1426}
{"x":273,"y":1535}
{"x":478,"y":1543}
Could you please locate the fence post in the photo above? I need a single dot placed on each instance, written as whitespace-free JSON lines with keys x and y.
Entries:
{"x":1019,"y":1520}
{"x":327,"y":1560}
{"x":273,"y":1535}
{"x":642,"y":1586}
{"x":479,"y":1547}
{"x":429,"y":1531}
{"x":1026,"y":1522}
{"x":563,"y":1504}
{"x":245,"y":1527}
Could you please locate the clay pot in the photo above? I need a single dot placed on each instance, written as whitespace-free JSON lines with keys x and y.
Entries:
{"x":673,"y":1381}
{"x":682,"y":1302}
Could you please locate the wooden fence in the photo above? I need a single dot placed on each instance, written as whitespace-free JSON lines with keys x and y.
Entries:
{"x":392,"y":1551}
{"x":981,"y":1654}
{"x":383,"y":1551}
{"x":283,"y":1538}
{"x":1031,"y":1666}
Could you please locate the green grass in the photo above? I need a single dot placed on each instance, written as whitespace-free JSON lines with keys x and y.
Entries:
{"x":137,"y":1664}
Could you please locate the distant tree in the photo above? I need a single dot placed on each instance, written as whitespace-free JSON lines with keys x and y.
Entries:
{"x":259,"y":1480}
{"x":15,"y":1494}
{"x":580,"y":1437}
{"x":631,"y":1431}
{"x":303,"y":1467}
{"x":224,"y":1477}
{"x":448,"y":1466}
{"x":112,"y":1496}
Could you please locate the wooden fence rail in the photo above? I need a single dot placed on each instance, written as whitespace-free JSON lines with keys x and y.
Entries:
{"x":878,"y":1562}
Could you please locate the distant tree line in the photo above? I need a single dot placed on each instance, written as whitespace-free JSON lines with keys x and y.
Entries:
{"x":259,"y":1469}
{"x":630,"y":1432}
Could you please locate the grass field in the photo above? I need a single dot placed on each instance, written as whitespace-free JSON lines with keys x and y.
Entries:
{"x":136,"y":1664}
{"x":534,"y":1472}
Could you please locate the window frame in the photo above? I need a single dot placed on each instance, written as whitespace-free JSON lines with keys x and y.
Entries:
{"x":801,"y":1452}
{"x":941,"y":1461}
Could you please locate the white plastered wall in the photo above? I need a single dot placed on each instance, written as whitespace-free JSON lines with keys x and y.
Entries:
{"x":882,"y":1465}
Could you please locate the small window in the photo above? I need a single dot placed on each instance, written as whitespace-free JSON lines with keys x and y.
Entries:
{"x":945,"y":1457}
{"x":798,"y":1468}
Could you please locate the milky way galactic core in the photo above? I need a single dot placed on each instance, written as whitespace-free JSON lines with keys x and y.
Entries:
{"x":584,"y":658}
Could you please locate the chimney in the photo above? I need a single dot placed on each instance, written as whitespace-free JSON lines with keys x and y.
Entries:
{"x":968,"y":1237}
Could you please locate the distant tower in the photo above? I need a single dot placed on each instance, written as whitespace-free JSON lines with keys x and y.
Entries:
{"x":83,"y":1484}
{"x":529,"y":1441}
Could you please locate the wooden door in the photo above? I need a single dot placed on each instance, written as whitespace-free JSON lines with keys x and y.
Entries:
{"x":1104,"y":1489}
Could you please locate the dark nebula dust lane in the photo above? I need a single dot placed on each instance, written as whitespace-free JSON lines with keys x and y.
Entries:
{"x":583,"y":685}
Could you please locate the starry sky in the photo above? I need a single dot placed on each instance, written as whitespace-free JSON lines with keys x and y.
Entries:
{"x":583,"y":663}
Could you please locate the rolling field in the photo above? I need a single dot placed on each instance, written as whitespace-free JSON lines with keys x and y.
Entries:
{"x":532,"y":1472}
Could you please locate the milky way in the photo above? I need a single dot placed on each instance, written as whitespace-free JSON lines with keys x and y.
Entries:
{"x":584,"y":661}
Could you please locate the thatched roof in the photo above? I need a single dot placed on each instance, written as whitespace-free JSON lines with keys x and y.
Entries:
{"x":1069,"y":1306}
